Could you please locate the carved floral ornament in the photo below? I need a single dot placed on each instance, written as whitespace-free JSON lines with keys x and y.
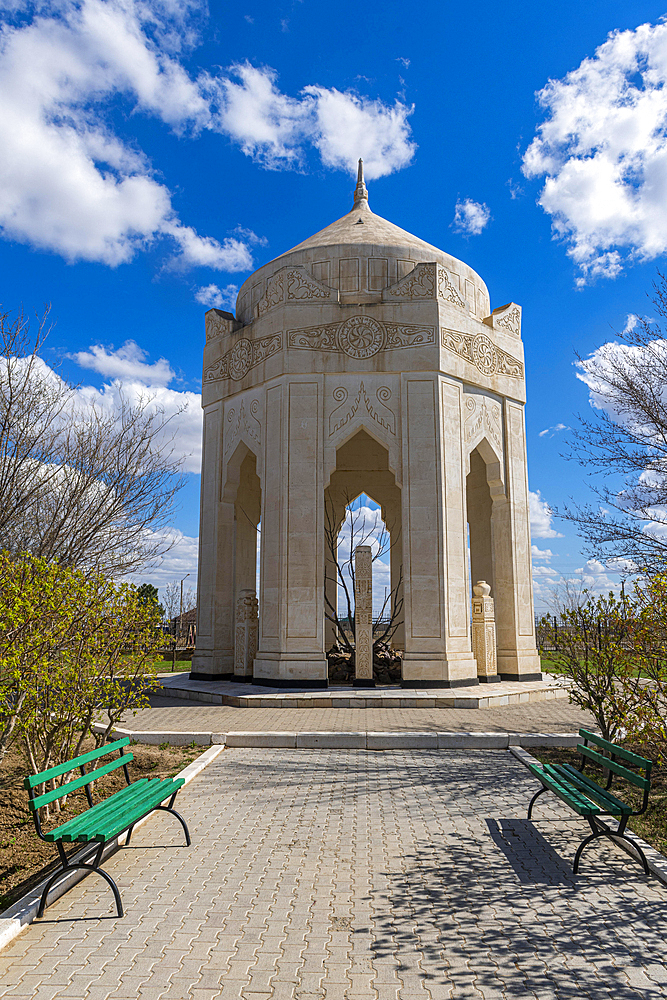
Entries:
{"x":484,"y":416}
{"x":293,"y":284}
{"x":480,"y":351}
{"x":361,"y":337}
{"x":427,"y":281}
{"x":243,"y":356}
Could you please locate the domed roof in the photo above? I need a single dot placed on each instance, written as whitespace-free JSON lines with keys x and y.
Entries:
{"x":358,"y":256}
{"x":361,"y":225}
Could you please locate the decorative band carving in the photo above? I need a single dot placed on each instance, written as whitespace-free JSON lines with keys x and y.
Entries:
{"x":481,"y":352}
{"x":361,"y":337}
{"x":243,"y":356}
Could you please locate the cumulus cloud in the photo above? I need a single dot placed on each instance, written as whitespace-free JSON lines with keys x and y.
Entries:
{"x":550,"y":431}
{"x":71,"y":184}
{"x":538,"y":553}
{"x":128,"y":362}
{"x":470,"y":217}
{"x":68,"y":183}
{"x":540,"y":517}
{"x":603,"y":152}
{"x":217,"y":298}
{"x":134,"y":380}
{"x":182,"y":557}
{"x":276,"y":129}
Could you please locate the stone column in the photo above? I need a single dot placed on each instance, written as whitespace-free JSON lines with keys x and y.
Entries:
{"x":484,"y":632}
{"x":245,"y":640}
{"x":363,"y":616}
{"x":518,"y":658}
{"x":213,"y":658}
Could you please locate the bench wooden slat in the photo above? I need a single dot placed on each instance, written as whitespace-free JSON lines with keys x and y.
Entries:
{"x":71,"y":765}
{"x":97,"y":815}
{"x":112,"y":822}
{"x":605,"y":798}
{"x":627,"y":755}
{"x":612,"y":765}
{"x":73,"y":786}
{"x":574,"y":799}
{"x":169,"y":787}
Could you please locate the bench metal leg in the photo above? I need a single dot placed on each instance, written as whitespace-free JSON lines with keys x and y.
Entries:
{"x":542,"y":790}
{"x":77,"y":866}
{"x":601,"y":830}
{"x":180,"y":820}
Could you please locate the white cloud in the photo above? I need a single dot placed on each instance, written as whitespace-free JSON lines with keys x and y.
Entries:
{"x":133,"y":380}
{"x":67,"y":182}
{"x":537,"y":553}
{"x":125,"y":363}
{"x":181,"y":558}
{"x":550,"y":431}
{"x":348,"y":126}
{"x":540,"y":517}
{"x":218,"y":298}
{"x":603,"y":151}
{"x":544,"y":571}
{"x":471,"y":217}
{"x":275,"y":129}
{"x":70,"y":184}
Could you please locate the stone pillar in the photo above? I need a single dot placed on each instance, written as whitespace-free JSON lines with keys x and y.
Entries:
{"x":484,"y":632}
{"x":363,"y":616}
{"x":213,"y":658}
{"x":518,"y":658}
{"x":245,"y":640}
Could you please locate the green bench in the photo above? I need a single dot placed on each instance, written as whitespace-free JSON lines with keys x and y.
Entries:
{"x":587,"y":798}
{"x":103,"y":822}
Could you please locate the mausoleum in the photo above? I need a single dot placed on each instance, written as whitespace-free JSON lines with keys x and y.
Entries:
{"x":364,"y":360}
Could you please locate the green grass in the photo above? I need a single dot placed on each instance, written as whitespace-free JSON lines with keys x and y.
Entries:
{"x":180,"y":665}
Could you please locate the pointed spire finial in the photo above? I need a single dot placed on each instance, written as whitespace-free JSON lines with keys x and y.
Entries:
{"x":360,"y":192}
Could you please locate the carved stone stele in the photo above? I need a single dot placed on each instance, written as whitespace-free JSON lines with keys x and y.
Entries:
{"x":245,"y":638}
{"x":484,"y":631}
{"x":363,"y":615}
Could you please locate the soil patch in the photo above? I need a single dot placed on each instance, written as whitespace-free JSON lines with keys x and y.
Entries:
{"x":23,"y":856}
{"x":651,"y":825}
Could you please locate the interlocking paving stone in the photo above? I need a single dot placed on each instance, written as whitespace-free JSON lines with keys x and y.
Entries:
{"x":173,"y":715}
{"x":354,"y":875}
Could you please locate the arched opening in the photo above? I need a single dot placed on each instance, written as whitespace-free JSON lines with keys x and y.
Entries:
{"x":480,"y":528}
{"x":361,"y":484}
{"x":246,"y":493}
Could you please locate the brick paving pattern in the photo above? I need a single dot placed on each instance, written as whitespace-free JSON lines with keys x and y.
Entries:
{"x":353,"y":875}
{"x":174,"y":715}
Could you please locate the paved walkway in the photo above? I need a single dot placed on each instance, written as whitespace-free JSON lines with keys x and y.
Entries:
{"x":175,"y":715}
{"x":353,"y":875}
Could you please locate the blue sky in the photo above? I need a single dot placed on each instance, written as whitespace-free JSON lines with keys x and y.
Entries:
{"x":153,"y":153}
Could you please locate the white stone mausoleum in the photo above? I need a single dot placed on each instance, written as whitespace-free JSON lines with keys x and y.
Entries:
{"x":363,"y":360}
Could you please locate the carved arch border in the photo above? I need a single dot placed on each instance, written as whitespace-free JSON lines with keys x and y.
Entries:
{"x":242,"y":424}
{"x":362,"y":419}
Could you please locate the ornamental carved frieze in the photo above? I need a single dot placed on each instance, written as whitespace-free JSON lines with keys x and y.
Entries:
{"x":218,"y":325}
{"x":426,"y":281}
{"x":243,"y":356}
{"x":293,"y":284}
{"x":361,"y":337}
{"x":483,"y":419}
{"x":481,"y":352}
{"x":510,"y":320}
{"x":377,"y":408}
{"x":242,"y":423}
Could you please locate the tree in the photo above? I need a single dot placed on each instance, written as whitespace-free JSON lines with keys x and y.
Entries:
{"x":88,"y":487}
{"x":75,"y":649}
{"x":359,"y":530}
{"x":615,"y":653}
{"x":147,"y":594}
{"x":624,"y":445}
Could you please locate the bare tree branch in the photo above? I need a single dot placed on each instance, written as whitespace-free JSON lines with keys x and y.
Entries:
{"x":79,"y":485}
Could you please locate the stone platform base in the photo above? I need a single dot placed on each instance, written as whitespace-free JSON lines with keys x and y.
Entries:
{"x":247,"y":696}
